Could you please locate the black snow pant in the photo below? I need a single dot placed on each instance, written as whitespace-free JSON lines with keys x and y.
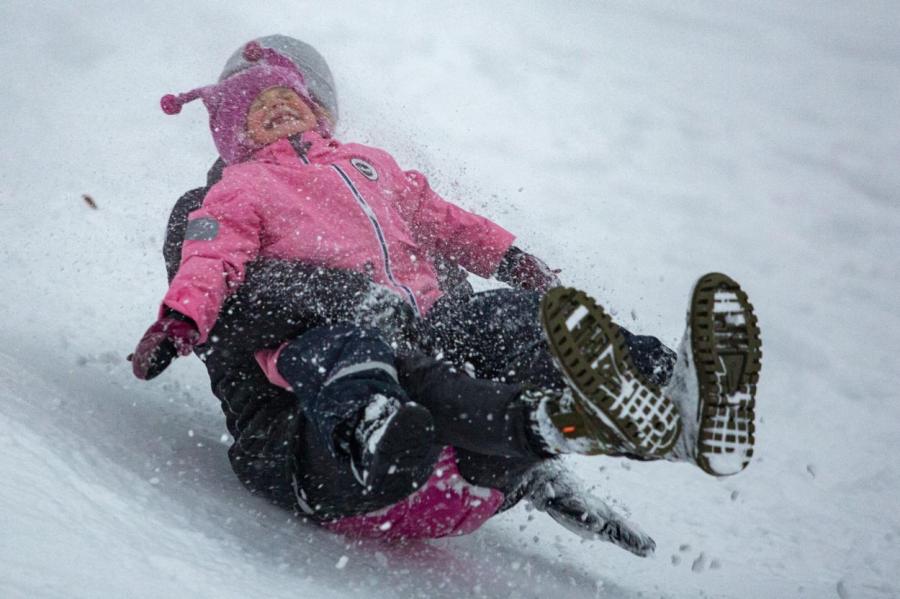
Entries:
{"x":284,"y":441}
{"x":496,"y":335}
{"x":335,"y":370}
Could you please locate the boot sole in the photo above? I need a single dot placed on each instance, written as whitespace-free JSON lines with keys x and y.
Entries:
{"x":727,"y":355}
{"x":407,"y":442}
{"x":590,"y":351}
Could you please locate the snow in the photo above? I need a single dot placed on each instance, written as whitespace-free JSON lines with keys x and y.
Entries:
{"x":635,"y":145}
{"x":727,"y":463}
{"x":380,"y":408}
{"x":576,"y":317}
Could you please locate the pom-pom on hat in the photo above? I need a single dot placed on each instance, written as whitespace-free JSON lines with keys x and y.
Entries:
{"x":229,"y":100}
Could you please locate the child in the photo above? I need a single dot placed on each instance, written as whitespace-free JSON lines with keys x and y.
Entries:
{"x":375,"y":436}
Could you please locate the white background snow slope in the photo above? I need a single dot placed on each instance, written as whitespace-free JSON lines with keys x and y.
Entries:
{"x":636,"y":145}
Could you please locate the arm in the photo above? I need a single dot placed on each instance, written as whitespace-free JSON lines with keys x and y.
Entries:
{"x":220,"y":238}
{"x":524,"y":271}
{"x":187,"y":203}
{"x":178,"y":219}
{"x":472,"y":241}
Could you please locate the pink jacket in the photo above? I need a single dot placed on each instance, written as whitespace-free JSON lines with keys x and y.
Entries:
{"x":343,"y":206}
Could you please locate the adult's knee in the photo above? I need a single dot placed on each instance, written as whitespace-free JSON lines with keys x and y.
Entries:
{"x":323,"y":354}
{"x":336,"y":371}
{"x":485,"y":329}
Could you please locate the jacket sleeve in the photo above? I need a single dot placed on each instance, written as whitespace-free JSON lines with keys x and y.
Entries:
{"x":178,"y":219}
{"x":472,"y":241}
{"x":186,"y":204}
{"x":220,"y":238}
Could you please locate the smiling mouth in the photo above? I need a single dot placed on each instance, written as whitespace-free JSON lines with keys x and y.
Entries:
{"x":281,"y":119}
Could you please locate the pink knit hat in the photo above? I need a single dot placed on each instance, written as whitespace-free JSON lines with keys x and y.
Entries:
{"x":229,"y":100}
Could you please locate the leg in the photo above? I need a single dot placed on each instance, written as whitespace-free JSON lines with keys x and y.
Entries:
{"x":653,"y":359}
{"x":268,"y":433}
{"x":359,"y":415}
{"x":490,"y":425}
{"x":475,"y":415}
{"x":497,"y":332}
{"x":508,"y":474}
{"x":336,"y":370}
{"x":279,"y":454}
{"x":500,"y":334}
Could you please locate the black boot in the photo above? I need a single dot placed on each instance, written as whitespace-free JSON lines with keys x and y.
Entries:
{"x":391,"y":437}
{"x":346,"y":380}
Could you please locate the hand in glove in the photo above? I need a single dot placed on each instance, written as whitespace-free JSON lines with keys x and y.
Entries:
{"x":522,"y":270}
{"x":550,"y":487}
{"x":168,"y":337}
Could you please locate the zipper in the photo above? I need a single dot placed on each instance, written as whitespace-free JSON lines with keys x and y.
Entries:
{"x":301,"y":148}
{"x":379,"y":233}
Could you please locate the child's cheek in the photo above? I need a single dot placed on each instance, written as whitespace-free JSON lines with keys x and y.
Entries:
{"x":253,"y":126}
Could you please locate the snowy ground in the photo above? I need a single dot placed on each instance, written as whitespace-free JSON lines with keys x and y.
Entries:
{"x":635,"y":145}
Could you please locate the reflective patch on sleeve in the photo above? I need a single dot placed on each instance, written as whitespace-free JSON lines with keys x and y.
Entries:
{"x":202,"y":229}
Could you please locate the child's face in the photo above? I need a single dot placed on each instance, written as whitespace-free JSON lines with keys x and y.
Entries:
{"x":276,"y":113}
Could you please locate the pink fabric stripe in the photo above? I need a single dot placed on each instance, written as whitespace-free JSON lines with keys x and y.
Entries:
{"x":267,"y":360}
{"x":446,"y":505}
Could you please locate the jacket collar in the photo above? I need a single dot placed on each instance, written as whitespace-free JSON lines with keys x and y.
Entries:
{"x":286,"y":151}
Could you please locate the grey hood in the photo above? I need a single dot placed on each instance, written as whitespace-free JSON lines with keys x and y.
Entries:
{"x":307,"y":60}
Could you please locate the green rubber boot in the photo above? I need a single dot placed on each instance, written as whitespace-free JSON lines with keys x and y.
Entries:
{"x":612,"y":409}
{"x":715,"y":378}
